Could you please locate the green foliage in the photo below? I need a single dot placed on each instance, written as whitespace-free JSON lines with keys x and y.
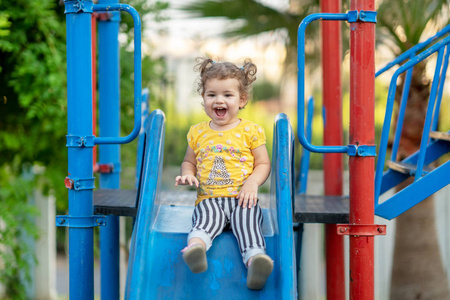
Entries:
{"x":16,"y":222}
{"x":33,"y":118}
{"x":401,"y":24}
{"x":32,"y":110}
{"x":32,"y":122}
{"x":265,"y":90}
{"x":255,"y":18}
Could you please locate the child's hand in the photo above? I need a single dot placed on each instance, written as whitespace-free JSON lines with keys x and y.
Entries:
{"x":248,"y":195}
{"x":186,"y":179}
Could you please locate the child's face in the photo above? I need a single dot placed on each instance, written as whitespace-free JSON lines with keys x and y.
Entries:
{"x":222,"y":102}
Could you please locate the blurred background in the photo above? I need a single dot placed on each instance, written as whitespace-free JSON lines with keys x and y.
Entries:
{"x":33,"y":156}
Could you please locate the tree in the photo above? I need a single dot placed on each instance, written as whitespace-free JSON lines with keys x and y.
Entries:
{"x":33,"y":121}
{"x":417,"y":268}
{"x":256,"y":18}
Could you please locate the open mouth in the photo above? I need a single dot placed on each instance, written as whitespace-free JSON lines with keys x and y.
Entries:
{"x":220,"y":112}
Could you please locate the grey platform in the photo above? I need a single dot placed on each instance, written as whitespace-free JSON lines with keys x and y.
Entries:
{"x":321,"y":209}
{"x":117,"y":202}
{"x":307,"y":209}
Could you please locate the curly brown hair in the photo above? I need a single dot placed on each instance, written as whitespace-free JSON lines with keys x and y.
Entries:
{"x":210,"y":69}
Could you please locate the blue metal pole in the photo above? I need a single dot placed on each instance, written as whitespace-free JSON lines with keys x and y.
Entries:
{"x":401,"y":114}
{"x":440,"y":90}
{"x":109,"y":125}
{"x":141,"y":138}
{"x":304,"y":162}
{"x":429,"y":116}
{"x":79,"y":124}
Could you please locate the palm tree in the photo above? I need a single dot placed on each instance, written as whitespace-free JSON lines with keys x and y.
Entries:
{"x":257,"y":18}
{"x":417,"y":271}
{"x":401,"y":25}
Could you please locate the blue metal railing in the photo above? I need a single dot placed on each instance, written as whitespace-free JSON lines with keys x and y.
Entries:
{"x":141,"y":138}
{"x":438,"y":47}
{"x":301,"y":82}
{"x":440,"y":89}
{"x":304,"y":162}
{"x":109,"y":125}
{"x":351,"y":16}
{"x":409,"y":54}
{"x":429,"y":115}
{"x":137,"y":73}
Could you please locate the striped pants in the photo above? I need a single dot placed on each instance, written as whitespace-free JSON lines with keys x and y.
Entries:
{"x":212,"y":215}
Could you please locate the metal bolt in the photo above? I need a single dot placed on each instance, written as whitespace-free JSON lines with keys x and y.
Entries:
{"x":380,"y":229}
{"x":62,"y":221}
{"x":343,"y":229}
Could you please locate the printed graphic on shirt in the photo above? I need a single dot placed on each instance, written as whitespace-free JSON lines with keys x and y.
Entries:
{"x":219,"y":174}
{"x":224,"y":159}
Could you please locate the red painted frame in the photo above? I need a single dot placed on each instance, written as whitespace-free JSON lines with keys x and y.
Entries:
{"x":333,"y":135}
{"x":362,"y":132}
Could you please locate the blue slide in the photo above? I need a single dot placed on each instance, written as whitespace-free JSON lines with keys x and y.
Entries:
{"x":156,"y":269}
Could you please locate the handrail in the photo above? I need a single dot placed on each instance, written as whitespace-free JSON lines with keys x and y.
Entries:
{"x":301,"y":82}
{"x":141,"y":138}
{"x":429,"y":115}
{"x":389,"y":109}
{"x":401,"y":113}
{"x":409,"y":54}
{"x":137,"y":73}
{"x":441,"y":89}
{"x":304,"y":162}
{"x":413,"y":50}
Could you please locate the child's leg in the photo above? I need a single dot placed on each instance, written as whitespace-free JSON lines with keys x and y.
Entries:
{"x":246,"y":224}
{"x":208,"y":221}
{"x":195,"y":240}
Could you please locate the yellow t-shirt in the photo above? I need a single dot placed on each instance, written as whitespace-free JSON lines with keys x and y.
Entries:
{"x":224,"y":158}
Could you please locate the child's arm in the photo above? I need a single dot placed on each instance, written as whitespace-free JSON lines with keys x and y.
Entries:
{"x":248,"y":195}
{"x":188,"y":169}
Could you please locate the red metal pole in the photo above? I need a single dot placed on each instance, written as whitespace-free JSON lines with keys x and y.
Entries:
{"x":362,"y":132}
{"x":333,"y":135}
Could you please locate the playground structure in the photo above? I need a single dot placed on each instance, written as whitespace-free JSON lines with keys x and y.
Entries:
{"x":155,"y":270}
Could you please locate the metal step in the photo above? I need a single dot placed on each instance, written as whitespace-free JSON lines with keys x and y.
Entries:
{"x":406,"y":168}
{"x":414,"y":193}
{"x":117,"y":202}
{"x":321,"y":209}
{"x":437,"y":135}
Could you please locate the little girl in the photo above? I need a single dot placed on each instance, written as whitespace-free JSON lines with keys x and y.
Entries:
{"x":227,"y":160}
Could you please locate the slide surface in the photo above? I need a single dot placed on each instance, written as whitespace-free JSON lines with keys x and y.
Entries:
{"x":156,"y":269}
